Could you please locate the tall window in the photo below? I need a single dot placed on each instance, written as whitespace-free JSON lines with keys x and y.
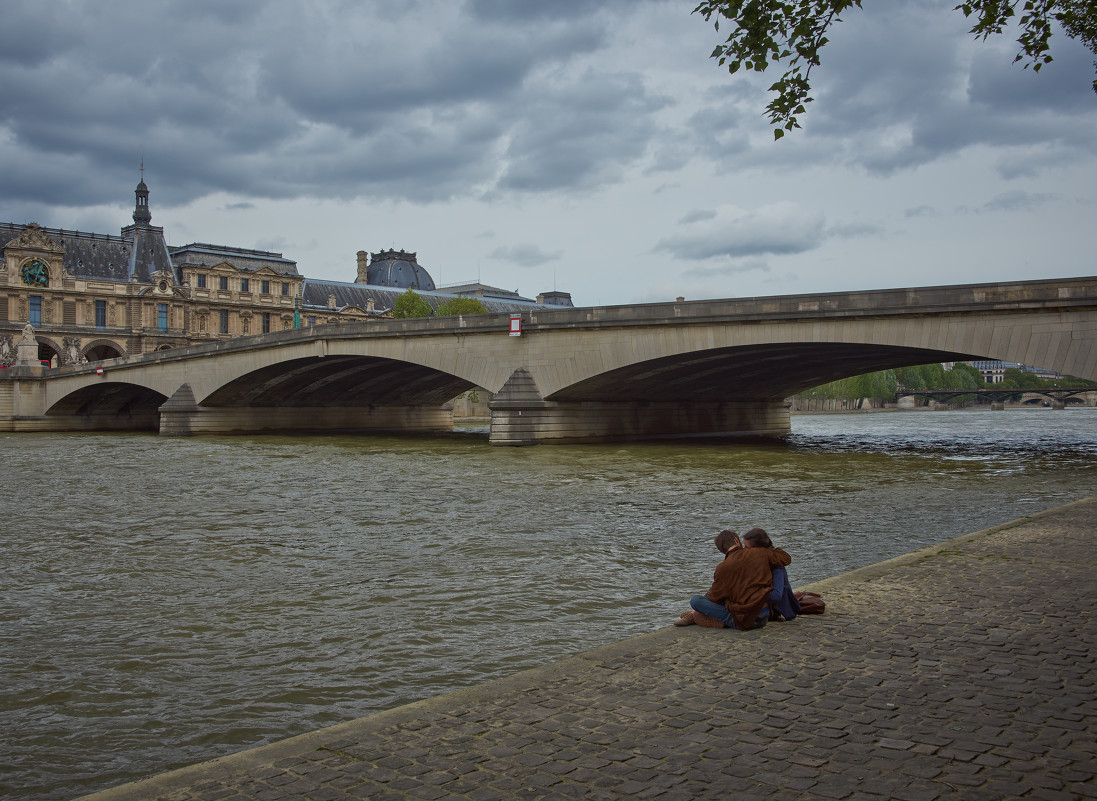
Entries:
{"x":312,"y":320}
{"x":285,"y":288}
{"x":266,"y":322}
{"x":162,"y":316}
{"x":266,"y":287}
{"x":244,"y":284}
{"x":35,"y":309}
{"x":100,"y":314}
{"x":223,"y":282}
{"x":224,"y":320}
{"x":201,"y":280}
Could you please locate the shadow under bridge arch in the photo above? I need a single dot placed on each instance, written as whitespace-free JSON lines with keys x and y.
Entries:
{"x":111,"y":405}
{"x":328,"y":393}
{"x":758,"y":372}
{"x":723,"y":392}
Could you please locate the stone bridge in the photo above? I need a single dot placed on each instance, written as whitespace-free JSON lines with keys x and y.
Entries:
{"x":698,"y":368}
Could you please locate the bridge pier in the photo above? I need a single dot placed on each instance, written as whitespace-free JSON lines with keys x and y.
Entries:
{"x":519,"y":416}
{"x":181,"y":416}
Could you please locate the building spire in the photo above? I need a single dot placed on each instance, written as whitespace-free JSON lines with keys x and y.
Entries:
{"x":141,"y":213}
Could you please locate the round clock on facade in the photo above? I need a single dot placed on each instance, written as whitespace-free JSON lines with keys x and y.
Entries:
{"x":35,"y":273}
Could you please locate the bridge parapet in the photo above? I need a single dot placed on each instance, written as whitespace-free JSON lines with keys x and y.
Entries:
{"x":621,"y":372}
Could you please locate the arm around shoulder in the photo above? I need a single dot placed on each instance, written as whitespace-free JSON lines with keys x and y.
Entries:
{"x":779,"y":558}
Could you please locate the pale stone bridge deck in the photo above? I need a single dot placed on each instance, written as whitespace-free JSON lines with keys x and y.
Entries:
{"x":708,"y":367}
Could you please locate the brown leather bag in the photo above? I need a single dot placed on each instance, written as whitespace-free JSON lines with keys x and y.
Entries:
{"x":811,"y":603}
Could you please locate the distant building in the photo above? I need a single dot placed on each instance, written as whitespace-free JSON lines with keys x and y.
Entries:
{"x":92,"y":296}
{"x":994,"y":371}
{"x":384,"y":276}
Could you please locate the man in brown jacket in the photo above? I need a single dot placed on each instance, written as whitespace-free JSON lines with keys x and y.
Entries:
{"x":739,"y":595}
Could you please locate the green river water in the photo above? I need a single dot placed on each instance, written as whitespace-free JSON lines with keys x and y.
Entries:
{"x":165,"y":601}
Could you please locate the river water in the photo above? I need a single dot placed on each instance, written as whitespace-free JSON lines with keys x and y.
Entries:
{"x":165,"y":601}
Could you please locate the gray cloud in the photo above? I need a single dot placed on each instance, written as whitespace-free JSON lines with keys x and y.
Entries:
{"x":526,"y":255}
{"x":698,"y":215}
{"x":578,"y":132}
{"x":903,"y":85}
{"x":855,"y":230}
{"x":779,"y":229}
{"x":1017,"y":200}
{"x":732,"y":268}
{"x":920,"y":211}
{"x":333,"y":99}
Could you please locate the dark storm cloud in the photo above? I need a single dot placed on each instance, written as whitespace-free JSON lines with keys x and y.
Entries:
{"x":421,"y":101}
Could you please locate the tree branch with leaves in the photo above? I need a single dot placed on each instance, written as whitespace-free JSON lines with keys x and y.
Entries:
{"x":792,"y":33}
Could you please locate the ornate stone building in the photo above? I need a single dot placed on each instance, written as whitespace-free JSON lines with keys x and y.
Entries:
{"x":98,"y":296}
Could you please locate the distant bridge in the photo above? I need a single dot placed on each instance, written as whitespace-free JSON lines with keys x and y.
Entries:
{"x":1057,"y":394}
{"x":698,"y":368}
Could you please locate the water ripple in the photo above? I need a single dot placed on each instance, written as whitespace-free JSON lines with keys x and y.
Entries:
{"x":166,"y":601}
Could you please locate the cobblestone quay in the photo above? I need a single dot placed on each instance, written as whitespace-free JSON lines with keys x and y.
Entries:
{"x":963,"y":671}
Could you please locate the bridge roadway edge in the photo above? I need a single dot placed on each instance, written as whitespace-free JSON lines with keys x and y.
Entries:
{"x":961,"y":670}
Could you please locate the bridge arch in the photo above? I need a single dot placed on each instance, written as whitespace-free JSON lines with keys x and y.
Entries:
{"x":339,"y":381}
{"x":48,"y":350}
{"x":111,"y":405}
{"x":101,"y":349}
{"x":772,"y":371}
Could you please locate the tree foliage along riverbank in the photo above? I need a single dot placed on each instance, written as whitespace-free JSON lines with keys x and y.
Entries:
{"x":412,"y":304}
{"x":885,"y":383}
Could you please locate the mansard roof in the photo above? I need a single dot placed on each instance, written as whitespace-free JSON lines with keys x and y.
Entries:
{"x":137,"y":254}
{"x":316,"y":293}
{"x":202,"y":254}
{"x":483,"y":292}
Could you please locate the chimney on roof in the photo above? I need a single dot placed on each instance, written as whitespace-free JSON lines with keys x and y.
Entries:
{"x":363,"y":268}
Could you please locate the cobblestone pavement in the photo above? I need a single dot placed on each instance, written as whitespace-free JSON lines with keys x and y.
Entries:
{"x":961,"y":671}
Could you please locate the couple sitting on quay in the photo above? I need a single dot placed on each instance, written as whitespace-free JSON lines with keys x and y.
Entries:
{"x":748,"y":588}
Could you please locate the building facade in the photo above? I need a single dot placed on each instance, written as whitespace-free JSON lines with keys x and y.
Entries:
{"x":98,"y":296}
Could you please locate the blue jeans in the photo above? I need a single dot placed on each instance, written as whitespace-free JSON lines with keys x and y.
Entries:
{"x":719,"y":611}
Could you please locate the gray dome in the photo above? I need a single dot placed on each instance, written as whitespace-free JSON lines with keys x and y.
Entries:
{"x":398,"y":268}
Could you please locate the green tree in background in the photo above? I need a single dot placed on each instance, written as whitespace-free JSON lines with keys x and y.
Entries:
{"x":455,"y":306}
{"x":885,"y":383}
{"x":411,"y":304}
{"x":1021,"y":379}
{"x":793,"y":32}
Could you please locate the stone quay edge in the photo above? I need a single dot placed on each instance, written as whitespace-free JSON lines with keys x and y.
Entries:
{"x":959,"y":671}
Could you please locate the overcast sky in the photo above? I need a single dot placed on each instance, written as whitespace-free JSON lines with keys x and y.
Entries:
{"x":593,"y":147}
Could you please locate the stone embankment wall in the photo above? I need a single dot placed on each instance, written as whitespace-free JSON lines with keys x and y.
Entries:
{"x":807,"y":405}
{"x":810,"y":405}
{"x":472,"y":405}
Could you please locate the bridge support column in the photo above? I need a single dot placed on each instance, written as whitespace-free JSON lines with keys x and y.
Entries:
{"x":181,"y":416}
{"x":997,"y":406}
{"x":519,"y":416}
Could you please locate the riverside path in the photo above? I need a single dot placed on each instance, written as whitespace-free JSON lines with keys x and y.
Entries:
{"x":961,"y":671}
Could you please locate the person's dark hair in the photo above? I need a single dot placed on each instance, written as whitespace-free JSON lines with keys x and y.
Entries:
{"x":725,"y":539}
{"x":758,"y":538}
